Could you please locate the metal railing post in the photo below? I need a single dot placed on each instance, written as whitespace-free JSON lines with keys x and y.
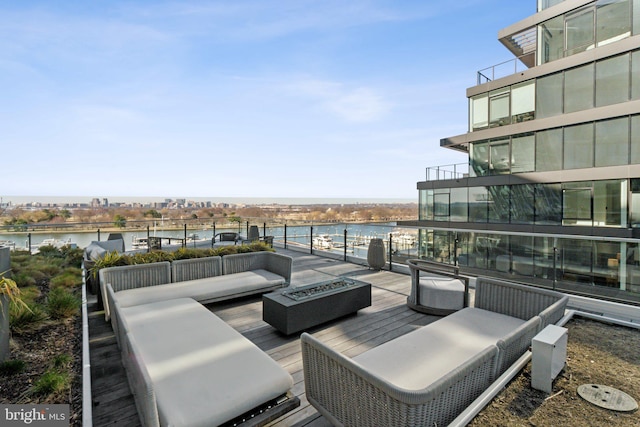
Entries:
{"x":345,"y":245}
{"x":264,"y":229}
{"x":148,"y":240}
{"x":285,"y":236}
{"x":555,"y":277}
{"x":29,"y":242}
{"x":311,"y":241}
{"x":390,"y":252}
{"x":98,"y":234}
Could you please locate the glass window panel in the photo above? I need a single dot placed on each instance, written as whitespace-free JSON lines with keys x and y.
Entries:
{"x":459,"y":204}
{"x":521,"y":248}
{"x":612,"y":76}
{"x":551,"y":40}
{"x":613,"y":21}
{"x":576,"y":203}
{"x":549,"y":150}
{"x":636,"y":17}
{"x":635,"y":139}
{"x":441,"y":206}
{"x":480,"y":112}
{"x":612,"y":142}
{"x":635,"y":203}
{"x":578,"y":88}
{"x":545,"y":4}
{"x":498,"y":203}
{"x":479,"y":159}
{"x":548,"y":204}
{"x":522,"y":204}
{"x":549,"y":95}
{"x":632,"y":257}
{"x":523,"y":153}
{"x":499,"y":157}
{"x":478,"y":204}
{"x":606,"y":264}
{"x":608,"y":203}
{"x":426,"y":243}
{"x":462,"y":248}
{"x":523,"y":102}
{"x":578,"y":146}
{"x":442,"y":246}
{"x":580,"y":31}
{"x":575,"y":260}
{"x":426,"y":205}
{"x":499,"y":107}
{"x":543,"y":256}
{"x":487,"y":248}
{"x":635,"y":74}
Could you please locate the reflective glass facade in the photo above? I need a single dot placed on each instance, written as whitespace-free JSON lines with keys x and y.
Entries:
{"x":611,"y":142}
{"x":552,"y":194}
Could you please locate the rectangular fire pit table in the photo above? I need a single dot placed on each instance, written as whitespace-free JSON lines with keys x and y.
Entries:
{"x":295,"y":309}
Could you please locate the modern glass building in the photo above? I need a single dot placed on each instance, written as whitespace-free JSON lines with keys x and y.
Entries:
{"x":551,"y":193}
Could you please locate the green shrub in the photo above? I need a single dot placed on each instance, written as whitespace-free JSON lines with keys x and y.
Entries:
{"x":62,"y":304}
{"x":70,"y":277}
{"x":30,"y":294}
{"x":12,"y":367}
{"x":29,"y":276}
{"x":188,"y":253}
{"x":48,"y":269}
{"x":22,"y":320}
{"x":72,"y":256}
{"x":52,"y":381}
{"x":61,"y":361}
{"x":113,"y":259}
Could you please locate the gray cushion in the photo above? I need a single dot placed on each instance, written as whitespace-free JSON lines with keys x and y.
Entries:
{"x":203,"y":371}
{"x":207,"y":289}
{"x":421,"y":357}
{"x":442,"y":293}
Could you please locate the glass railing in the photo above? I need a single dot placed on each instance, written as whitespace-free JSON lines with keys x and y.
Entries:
{"x":503,"y":69}
{"x":344,"y":240}
{"x":546,"y":4}
{"x":454,"y":171}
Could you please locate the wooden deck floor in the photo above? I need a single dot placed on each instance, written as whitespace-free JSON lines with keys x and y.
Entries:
{"x":387,"y":318}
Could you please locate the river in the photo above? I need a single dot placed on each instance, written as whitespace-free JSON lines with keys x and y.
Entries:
{"x":328,"y":237}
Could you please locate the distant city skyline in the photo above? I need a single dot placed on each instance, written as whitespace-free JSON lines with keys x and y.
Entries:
{"x":16,"y":200}
{"x":239,"y":98}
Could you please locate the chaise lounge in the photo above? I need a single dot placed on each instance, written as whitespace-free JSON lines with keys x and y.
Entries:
{"x":429,"y":376}
{"x":186,"y":367}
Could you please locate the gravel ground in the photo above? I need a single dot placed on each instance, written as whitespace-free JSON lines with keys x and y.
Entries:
{"x":596,"y":354}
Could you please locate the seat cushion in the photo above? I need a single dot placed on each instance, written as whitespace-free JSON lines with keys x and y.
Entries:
{"x":441,"y":293}
{"x":203,"y":371}
{"x":203,"y":290}
{"x":421,"y":357}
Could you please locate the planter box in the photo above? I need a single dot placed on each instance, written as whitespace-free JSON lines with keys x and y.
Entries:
{"x":289,"y":315}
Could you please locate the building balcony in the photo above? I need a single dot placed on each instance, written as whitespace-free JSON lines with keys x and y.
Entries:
{"x":445,"y":172}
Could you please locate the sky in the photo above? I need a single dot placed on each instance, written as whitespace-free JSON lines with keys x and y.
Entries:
{"x":238,"y":98}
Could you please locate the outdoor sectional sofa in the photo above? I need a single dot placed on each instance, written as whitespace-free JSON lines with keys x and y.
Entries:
{"x":429,"y":376}
{"x":185,"y":366}
{"x":206,"y":280}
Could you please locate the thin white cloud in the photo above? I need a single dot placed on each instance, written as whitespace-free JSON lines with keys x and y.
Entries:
{"x":351,"y":104}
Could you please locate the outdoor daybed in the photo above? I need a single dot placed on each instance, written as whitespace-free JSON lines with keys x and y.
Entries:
{"x":186,"y":367}
{"x":206,"y":280}
{"x":428,"y":376}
